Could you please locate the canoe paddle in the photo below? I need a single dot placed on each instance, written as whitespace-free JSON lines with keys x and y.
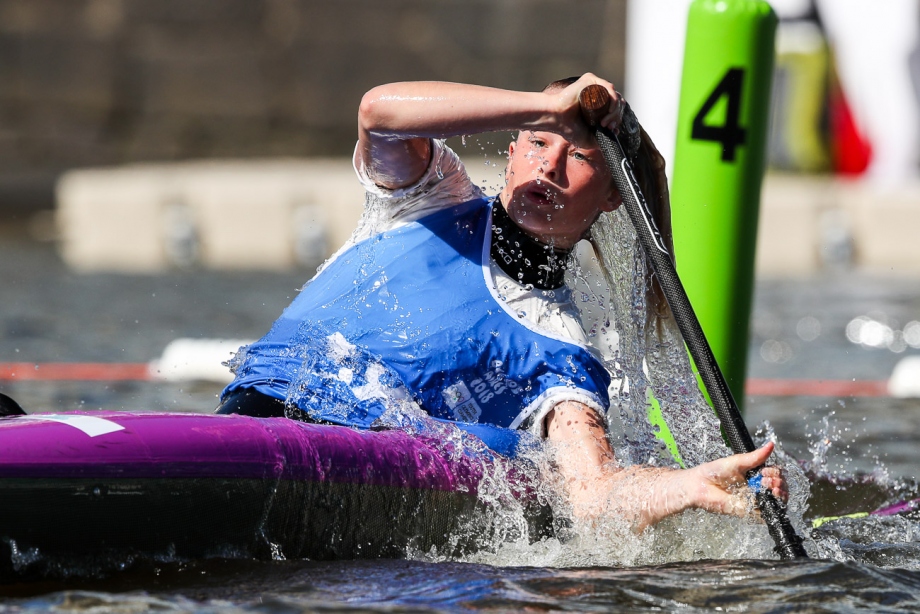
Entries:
{"x":595,"y":102}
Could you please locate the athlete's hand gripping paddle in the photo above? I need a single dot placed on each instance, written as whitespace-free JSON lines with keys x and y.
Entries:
{"x":595,"y":102}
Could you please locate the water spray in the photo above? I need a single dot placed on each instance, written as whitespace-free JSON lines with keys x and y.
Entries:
{"x":595,"y":102}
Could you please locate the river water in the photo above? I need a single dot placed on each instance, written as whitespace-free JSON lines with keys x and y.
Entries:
{"x":860,"y":454}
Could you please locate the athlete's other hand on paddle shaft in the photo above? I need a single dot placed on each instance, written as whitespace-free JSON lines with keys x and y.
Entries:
{"x":557,"y":184}
{"x":597,"y":485}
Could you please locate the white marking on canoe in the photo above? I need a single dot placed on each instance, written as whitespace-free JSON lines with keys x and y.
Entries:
{"x":88,"y":424}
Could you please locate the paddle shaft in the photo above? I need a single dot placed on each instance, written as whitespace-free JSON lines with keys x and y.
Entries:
{"x":595,"y":102}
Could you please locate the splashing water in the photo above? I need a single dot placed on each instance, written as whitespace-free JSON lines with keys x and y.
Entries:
{"x":618,"y":277}
{"x":339,"y":382}
{"x":647,"y":359}
{"x":831,"y":444}
{"x":650,"y":355}
{"x":644,"y":353}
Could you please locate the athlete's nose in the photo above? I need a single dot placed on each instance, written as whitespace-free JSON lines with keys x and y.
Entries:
{"x":553,"y":163}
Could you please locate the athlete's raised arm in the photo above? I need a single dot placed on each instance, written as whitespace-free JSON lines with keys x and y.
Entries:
{"x":396,"y":121}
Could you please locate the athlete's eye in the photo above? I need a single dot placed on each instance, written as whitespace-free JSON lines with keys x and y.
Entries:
{"x":537,"y":142}
{"x":581,"y":157}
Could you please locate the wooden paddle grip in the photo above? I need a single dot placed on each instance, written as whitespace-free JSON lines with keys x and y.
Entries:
{"x":595,"y":104}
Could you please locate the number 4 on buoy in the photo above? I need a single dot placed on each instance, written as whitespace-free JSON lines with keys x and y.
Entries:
{"x":730,"y":134}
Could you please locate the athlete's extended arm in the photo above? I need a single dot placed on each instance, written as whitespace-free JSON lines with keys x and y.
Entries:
{"x":596,"y":485}
{"x":396,"y":121}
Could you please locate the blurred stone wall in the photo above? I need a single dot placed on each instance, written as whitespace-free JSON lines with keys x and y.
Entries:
{"x":102,"y":82}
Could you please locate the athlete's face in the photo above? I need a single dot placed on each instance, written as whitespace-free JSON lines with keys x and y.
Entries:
{"x":555,"y":189}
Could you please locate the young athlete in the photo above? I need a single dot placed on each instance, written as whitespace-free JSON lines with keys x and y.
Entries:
{"x":459,"y":300}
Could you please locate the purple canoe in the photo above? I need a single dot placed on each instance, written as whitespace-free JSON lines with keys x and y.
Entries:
{"x":232,"y":486}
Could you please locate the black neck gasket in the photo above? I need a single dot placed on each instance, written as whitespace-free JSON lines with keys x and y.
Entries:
{"x":525,"y":259}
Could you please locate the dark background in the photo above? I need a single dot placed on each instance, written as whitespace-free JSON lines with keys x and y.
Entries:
{"x":102,"y":82}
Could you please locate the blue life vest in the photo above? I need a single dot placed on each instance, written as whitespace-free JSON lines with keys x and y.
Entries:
{"x":412,"y":312}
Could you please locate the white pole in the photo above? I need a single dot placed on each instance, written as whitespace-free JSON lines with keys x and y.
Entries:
{"x":655,"y":34}
{"x":872,"y":42}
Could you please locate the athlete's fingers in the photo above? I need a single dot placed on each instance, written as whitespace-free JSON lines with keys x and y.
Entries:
{"x":734,"y":469}
{"x":743,"y":463}
{"x":721,"y":485}
{"x":772,"y":472}
{"x":614,"y":114}
{"x":613,"y":119}
{"x":773,"y":480}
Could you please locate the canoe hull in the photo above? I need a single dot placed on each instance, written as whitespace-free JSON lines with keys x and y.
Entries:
{"x":192,"y":486}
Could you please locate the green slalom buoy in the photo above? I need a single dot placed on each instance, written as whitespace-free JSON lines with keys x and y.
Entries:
{"x":718,"y":168}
